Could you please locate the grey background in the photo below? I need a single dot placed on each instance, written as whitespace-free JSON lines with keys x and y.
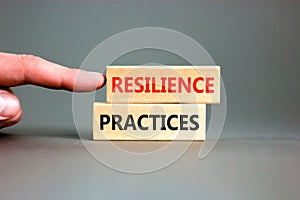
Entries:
{"x":257,"y":43}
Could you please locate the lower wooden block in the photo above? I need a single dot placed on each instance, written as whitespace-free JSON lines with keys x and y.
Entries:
{"x":149,"y":121}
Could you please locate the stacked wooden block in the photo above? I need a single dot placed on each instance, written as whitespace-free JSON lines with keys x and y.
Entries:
{"x":156,"y":102}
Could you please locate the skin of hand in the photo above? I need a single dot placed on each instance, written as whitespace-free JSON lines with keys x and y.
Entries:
{"x":18,"y":70}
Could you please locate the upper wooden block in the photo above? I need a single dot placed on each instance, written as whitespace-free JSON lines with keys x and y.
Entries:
{"x":163,"y":84}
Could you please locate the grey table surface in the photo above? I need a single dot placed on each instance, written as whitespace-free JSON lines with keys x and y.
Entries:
{"x":51,"y":164}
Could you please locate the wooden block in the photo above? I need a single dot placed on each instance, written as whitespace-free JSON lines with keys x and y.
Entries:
{"x":163,"y":84}
{"x":149,"y":121}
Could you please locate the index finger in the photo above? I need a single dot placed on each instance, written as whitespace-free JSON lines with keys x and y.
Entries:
{"x":27,"y":69}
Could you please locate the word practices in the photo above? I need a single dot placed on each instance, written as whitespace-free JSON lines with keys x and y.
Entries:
{"x":149,"y":121}
{"x":163,"y":84}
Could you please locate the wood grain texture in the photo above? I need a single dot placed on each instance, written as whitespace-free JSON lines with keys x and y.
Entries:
{"x":158,"y":73}
{"x":188,"y":116}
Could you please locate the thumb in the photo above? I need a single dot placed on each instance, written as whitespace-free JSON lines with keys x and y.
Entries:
{"x":10,"y":109}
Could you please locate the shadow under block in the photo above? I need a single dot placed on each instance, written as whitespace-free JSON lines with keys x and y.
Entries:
{"x":149,"y":121}
{"x":163,"y":84}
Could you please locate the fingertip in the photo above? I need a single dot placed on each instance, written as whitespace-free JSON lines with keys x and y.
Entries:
{"x":86,"y":81}
{"x":102,"y":81}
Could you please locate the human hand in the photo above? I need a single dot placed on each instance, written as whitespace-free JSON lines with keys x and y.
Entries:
{"x":18,"y":70}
